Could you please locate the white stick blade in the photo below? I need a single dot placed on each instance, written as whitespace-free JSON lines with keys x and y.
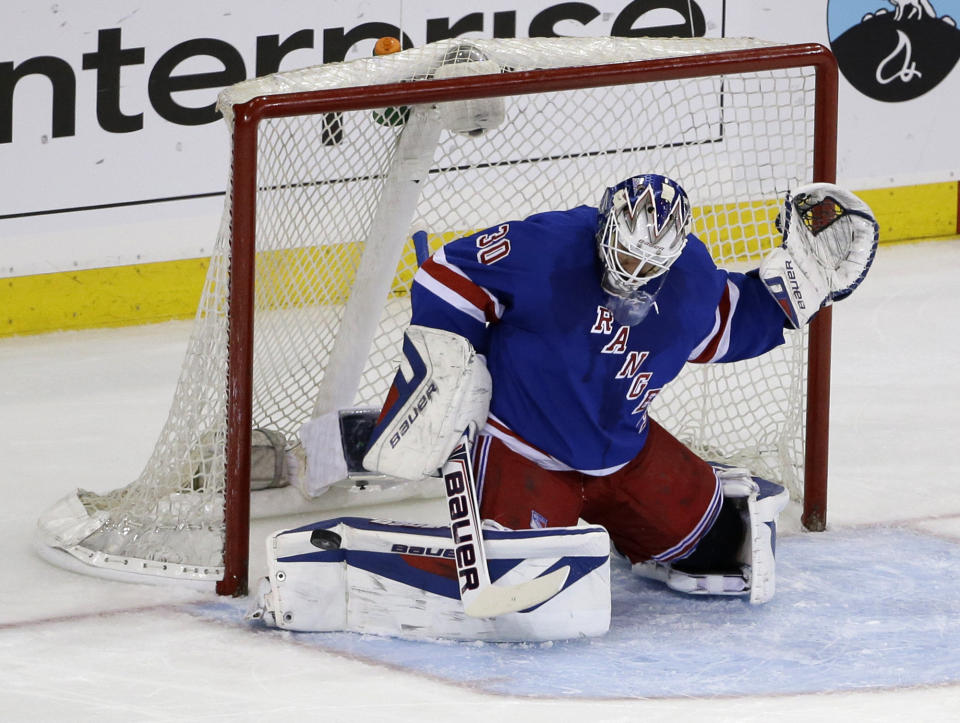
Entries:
{"x":492,"y":600}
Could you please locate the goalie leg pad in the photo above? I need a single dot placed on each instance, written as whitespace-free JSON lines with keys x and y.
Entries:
{"x":442,"y":385}
{"x":752,"y":570}
{"x":390,"y":578}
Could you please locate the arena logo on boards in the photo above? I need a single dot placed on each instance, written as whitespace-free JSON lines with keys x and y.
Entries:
{"x":111,"y":59}
{"x":894,"y":51}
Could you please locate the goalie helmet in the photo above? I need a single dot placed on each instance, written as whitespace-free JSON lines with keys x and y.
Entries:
{"x":642,"y":228}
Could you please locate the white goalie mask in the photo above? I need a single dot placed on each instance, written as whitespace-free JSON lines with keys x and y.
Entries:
{"x":642,"y":228}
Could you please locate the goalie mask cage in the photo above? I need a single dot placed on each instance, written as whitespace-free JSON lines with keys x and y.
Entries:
{"x":333,"y":166}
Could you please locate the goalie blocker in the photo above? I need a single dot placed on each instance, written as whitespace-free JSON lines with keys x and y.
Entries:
{"x":441,"y":386}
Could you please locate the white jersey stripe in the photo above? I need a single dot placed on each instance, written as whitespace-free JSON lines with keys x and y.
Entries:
{"x":451,"y":297}
{"x":708,"y":338}
{"x":724,"y":346}
{"x":480,"y":456}
{"x":515,"y":444}
{"x":722,"y":326}
{"x":440,"y":257}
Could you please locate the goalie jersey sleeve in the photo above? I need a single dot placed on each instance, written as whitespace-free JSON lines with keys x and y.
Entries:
{"x":571,"y":387}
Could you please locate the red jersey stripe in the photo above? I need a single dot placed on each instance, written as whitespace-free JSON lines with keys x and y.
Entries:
{"x":462,"y":286}
{"x":723,"y":308}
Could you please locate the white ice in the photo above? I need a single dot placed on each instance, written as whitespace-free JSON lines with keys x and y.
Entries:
{"x":82,"y":409}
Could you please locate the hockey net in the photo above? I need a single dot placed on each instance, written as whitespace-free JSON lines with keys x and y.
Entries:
{"x":333,"y":168}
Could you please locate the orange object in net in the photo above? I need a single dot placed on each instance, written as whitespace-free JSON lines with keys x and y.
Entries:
{"x":386,"y":45}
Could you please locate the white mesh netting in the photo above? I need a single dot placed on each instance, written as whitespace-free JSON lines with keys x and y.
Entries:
{"x":737,"y":143}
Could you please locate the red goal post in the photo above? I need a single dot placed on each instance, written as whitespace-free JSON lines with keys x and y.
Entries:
{"x":719,"y":150}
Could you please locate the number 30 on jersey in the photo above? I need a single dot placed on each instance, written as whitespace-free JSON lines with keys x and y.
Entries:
{"x":493,"y":246}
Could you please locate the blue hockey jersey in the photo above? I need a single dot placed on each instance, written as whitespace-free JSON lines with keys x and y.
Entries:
{"x":571,"y":386}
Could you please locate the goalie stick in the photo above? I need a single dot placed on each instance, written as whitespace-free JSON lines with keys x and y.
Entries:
{"x":481,"y":598}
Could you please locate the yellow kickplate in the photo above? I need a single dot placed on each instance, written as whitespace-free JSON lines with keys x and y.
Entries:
{"x":147,"y":293}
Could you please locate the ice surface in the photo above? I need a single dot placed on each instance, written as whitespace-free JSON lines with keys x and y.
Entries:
{"x":865,"y":624}
{"x":855,"y":609}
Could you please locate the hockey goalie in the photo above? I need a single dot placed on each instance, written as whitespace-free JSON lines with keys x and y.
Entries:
{"x":535,"y":349}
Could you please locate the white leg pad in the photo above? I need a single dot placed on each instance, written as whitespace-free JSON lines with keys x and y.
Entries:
{"x":390,"y":578}
{"x":763,"y":510}
{"x":760,"y":505}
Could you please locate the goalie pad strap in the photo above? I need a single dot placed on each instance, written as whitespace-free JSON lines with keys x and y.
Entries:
{"x":441,"y":386}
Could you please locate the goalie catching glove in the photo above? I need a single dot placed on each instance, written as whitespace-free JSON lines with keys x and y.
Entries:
{"x":829,"y":241}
